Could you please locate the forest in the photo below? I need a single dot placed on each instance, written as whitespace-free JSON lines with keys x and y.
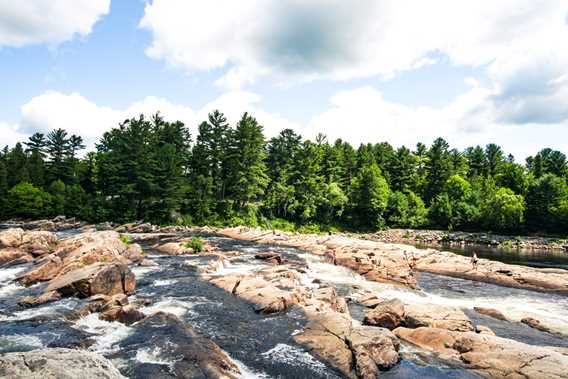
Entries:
{"x":153,"y":170}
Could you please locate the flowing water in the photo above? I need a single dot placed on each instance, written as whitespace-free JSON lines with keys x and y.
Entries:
{"x":262,"y":345}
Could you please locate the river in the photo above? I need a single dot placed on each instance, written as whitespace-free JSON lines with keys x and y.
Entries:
{"x":262,"y":345}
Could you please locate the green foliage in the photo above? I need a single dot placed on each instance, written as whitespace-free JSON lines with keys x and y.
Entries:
{"x":504,"y":211}
{"x":369,"y":197}
{"x":25,"y":200}
{"x":195,"y":243}
{"x":125,"y":239}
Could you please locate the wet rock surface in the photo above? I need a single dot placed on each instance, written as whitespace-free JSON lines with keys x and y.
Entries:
{"x":57,"y":363}
{"x":196,"y":356}
{"x":490,"y":356}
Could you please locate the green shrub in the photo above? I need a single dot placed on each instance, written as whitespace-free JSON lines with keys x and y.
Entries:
{"x":125,"y":239}
{"x":196,"y":244}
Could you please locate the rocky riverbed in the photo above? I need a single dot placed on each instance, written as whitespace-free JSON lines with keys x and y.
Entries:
{"x":142,"y":304}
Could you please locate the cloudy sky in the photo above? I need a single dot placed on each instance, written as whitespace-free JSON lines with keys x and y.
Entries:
{"x":401,"y":71}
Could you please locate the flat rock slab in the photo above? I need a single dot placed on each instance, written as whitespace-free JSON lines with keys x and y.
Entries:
{"x":57,"y":363}
{"x":488,"y":355}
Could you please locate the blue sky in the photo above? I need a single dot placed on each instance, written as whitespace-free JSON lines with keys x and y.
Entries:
{"x":365,"y":71}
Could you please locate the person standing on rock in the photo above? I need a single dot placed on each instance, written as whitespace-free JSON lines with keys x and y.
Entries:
{"x":474,"y":261}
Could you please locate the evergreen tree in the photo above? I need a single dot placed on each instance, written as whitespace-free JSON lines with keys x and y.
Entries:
{"x":16,"y":166}
{"x":247,"y":162}
{"x":439,"y":168}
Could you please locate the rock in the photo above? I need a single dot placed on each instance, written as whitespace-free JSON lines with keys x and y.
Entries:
{"x":10,"y":254}
{"x":387,"y":314}
{"x":390,"y":263}
{"x":100,"y":278}
{"x":134,"y":253}
{"x":173,"y":248}
{"x":270,"y":257}
{"x":374,"y":349}
{"x":265,"y":297}
{"x":39,"y":242}
{"x":535,"y":324}
{"x":47,"y":297}
{"x":194,"y":356}
{"x":45,"y":269}
{"x":490,"y":356}
{"x":332,"y":337}
{"x":370,"y":300}
{"x":126,"y":314}
{"x":481,"y":329}
{"x":57,"y":363}
{"x":75,"y":253}
{"x":11,"y":237}
{"x":393,"y":313}
{"x":491,"y":313}
{"x":436,"y":316}
{"x":324,"y":336}
{"x":228,"y":282}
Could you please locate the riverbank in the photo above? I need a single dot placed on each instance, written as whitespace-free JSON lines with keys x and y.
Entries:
{"x":425,"y":237}
{"x":441,"y":238}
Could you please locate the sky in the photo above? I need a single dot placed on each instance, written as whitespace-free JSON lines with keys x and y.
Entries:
{"x":402,"y":71}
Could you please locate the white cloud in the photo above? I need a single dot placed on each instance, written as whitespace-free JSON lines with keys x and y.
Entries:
{"x":337,"y":39}
{"x":520,"y":43}
{"x":47,"y":21}
{"x":10,"y":135}
{"x":363,"y":115}
{"x":78,"y":115}
{"x":359,"y":116}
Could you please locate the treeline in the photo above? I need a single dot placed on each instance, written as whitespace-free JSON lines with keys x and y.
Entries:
{"x":153,"y":170}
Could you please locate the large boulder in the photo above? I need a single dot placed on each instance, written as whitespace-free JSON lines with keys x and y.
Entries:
{"x":325,"y":337}
{"x":494,"y":313}
{"x":374,"y":349}
{"x":345,"y":345}
{"x":100,"y":278}
{"x":80,"y":251}
{"x":437,"y":316}
{"x":57,"y":363}
{"x":393,"y":313}
{"x":387,"y":314}
{"x":488,"y":355}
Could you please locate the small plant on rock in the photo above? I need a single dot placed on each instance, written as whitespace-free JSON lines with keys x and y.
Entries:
{"x":196,"y":244}
{"x":125,"y":239}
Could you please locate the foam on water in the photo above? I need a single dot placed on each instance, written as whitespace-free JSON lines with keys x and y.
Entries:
{"x":60,"y":307}
{"x":9,"y":274}
{"x":293,"y":355}
{"x":153,"y":356}
{"x":20,"y":342}
{"x":141,"y":271}
{"x":177,"y":307}
{"x":108,"y":334}
{"x":8,"y":289}
{"x":164,"y":282}
{"x":247,"y":373}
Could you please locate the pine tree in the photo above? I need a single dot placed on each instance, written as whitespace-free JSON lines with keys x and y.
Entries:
{"x":247,"y":162}
{"x":439,"y":168}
